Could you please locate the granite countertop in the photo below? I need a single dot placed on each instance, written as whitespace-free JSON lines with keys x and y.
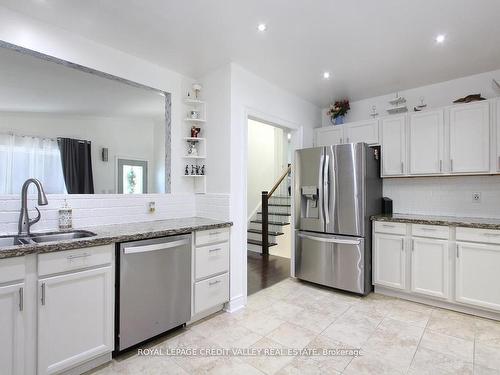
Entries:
{"x":107,"y":234}
{"x":468,"y":222}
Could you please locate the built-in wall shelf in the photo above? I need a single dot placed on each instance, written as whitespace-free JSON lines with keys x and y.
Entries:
{"x":196,"y":115}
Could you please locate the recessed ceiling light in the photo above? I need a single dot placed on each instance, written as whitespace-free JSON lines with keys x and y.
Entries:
{"x":262,"y":27}
{"x":326,"y":75}
{"x":440,"y":38}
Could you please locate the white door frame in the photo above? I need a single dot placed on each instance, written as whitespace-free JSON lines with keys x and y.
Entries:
{"x":297,"y":132}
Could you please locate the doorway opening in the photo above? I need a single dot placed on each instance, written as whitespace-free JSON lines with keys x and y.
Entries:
{"x":269,"y":204}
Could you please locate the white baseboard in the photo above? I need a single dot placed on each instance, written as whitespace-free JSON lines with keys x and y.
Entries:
{"x":236,"y":304}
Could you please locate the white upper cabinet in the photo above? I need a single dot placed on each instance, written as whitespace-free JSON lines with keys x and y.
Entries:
{"x":470,"y":138}
{"x":426,"y":142}
{"x":393,"y":145}
{"x":363,"y":131}
{"x":478,"y":275}
{"x":327,"y":136}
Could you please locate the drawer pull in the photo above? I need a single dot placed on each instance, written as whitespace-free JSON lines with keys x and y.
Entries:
{"x":214,"y":233}
{"x":491,"y":234}
{"x":211,"y":283}
{"x":214,"y":250}
{"x":429,"y":229}
{"x":77,"y":256}
{"x":388,"y":226}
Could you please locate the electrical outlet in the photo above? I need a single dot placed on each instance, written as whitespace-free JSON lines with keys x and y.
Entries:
{"x":476,"y":197}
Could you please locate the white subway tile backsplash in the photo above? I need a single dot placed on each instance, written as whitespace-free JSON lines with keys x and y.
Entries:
{"x":115,"y":209}
{"x":449,"y":196}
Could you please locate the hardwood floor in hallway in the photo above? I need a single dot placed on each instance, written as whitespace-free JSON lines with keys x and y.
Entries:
{"x":264,"y":271}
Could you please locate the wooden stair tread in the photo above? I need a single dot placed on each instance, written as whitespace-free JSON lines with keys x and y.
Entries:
{"x":276,"y":213}
{"x":259,"y":243}
{"x":271,"y":233}
{"x":270,"y":222}
{"x":279,"y":205}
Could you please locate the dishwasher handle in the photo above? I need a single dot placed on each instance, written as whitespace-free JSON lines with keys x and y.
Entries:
{"x":154,"y":247}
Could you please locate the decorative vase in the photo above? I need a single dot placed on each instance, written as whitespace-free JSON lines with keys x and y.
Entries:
{"x":339,"y":120}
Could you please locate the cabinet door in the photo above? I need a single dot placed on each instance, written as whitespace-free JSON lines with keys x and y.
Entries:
{"x":389,"y":261}
{"x":478,"y":275}
{"x":12,"y":329}
{"x":393,"y":146}
{"x":430,"y":267}
{"x":365,"y":131}
{"x":75,"y":318}
{"x":426,"y":140}
{"x":469,"y":138}
{"x":329,"y":136}
{"x":497,"y":162}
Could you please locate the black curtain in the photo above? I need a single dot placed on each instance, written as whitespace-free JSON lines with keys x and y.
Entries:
{"x":77,"y":165}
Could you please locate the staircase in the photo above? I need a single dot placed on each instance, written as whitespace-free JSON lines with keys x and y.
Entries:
{"x":274,"y":214}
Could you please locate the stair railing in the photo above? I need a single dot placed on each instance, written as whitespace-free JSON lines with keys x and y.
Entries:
{"x":265,"y":210}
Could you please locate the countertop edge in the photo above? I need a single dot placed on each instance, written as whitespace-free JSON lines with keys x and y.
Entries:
{"x":443,"y":222}
{"x":100,"y":240}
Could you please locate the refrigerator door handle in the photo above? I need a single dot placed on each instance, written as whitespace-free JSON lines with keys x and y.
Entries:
{"x":326,"y":189}
{"x":330,"y":240}
{"x":321,"y":189}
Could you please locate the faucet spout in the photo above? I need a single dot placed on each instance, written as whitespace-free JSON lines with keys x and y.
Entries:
{"x":24,"y":221}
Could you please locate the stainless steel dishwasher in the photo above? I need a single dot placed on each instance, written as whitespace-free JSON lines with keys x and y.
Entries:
{"x":154,"y":288}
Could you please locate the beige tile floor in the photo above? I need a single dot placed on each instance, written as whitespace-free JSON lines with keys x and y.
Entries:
{"x":395,"y":337}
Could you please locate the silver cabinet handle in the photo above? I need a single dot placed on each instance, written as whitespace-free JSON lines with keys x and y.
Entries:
{"x":76,"y":256}
{"x":155,"y":247}
{"x":499,"y":163}
{"x":347,"y":140}
{"x":429,"y":229}
{"x":43,"y":294}
{"x":21,"y":299}
{"x":451,"y":165}
{"x":402,"y":244}
{"x":214,"y":250}
{"x":213,"y":282}
{"x":458,"y":252}
{"x":412,"y":245}
{"x":402,"y":167}
{"x":388,"y":226}
{"x":214,"y":233}
{"x":341,"y":140}
{"x":440,"y":166}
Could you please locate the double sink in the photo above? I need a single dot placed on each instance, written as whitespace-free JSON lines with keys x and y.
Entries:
{"x":44,"y":237}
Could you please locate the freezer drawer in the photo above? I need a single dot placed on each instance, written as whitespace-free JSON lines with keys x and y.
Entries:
{"x":331,"y":260}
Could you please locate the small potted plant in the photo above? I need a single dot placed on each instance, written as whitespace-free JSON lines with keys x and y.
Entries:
{"x":337,"y":111}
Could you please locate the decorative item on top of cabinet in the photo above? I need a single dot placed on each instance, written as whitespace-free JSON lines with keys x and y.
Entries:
{"x":470,"y":98}
{"x":397,"y":105}
{"x":374,"y":112}
{"x":421,"y":106}
{"x":337,"y":111}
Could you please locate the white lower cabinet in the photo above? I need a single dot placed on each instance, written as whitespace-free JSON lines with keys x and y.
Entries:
{"x":12,"y":329}
{"x":389,"y":259}
{"x":75,"y":318}
{"x":478,"y":274}
{"x":430,"y":267}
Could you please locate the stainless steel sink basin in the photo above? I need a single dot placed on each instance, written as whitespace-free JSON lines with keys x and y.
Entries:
{"x":60,"y":236}
{"x":12,"y":241}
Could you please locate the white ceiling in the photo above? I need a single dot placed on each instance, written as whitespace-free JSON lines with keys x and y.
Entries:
{"x":371,"y":47}
{"x":30,"y":84}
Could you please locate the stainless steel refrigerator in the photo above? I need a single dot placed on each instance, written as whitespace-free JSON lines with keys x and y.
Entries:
{"x":337,"y":189}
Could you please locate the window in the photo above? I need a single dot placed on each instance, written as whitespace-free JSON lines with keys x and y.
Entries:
{"x":23,"y":157}
{"x":132,"y":176}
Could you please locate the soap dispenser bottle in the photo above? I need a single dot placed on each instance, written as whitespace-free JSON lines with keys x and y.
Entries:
{"x":65,"y":216}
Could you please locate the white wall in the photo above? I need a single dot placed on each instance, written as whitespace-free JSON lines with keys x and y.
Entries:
{"x":264,"y":161}
{"x":255,"y":97}
{"x":436,"y":95}
{"x":29,"y":33}
{"x":125,"y":137}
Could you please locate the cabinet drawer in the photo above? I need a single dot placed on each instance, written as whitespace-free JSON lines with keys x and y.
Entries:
{"x":211,"y":260}
{"x":205,"y":237}
{"x":12,"y":269}
{"x":390,"y":227}
{"x":211,"y":292}
{"x":478,"y":235}
{"x":69,"y":260}
{"x":431,"y":231}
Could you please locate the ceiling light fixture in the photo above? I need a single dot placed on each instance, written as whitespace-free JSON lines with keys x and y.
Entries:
{"x":440,"y":38}
{"x":326,"y":75}
{"x":262,"y":27}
